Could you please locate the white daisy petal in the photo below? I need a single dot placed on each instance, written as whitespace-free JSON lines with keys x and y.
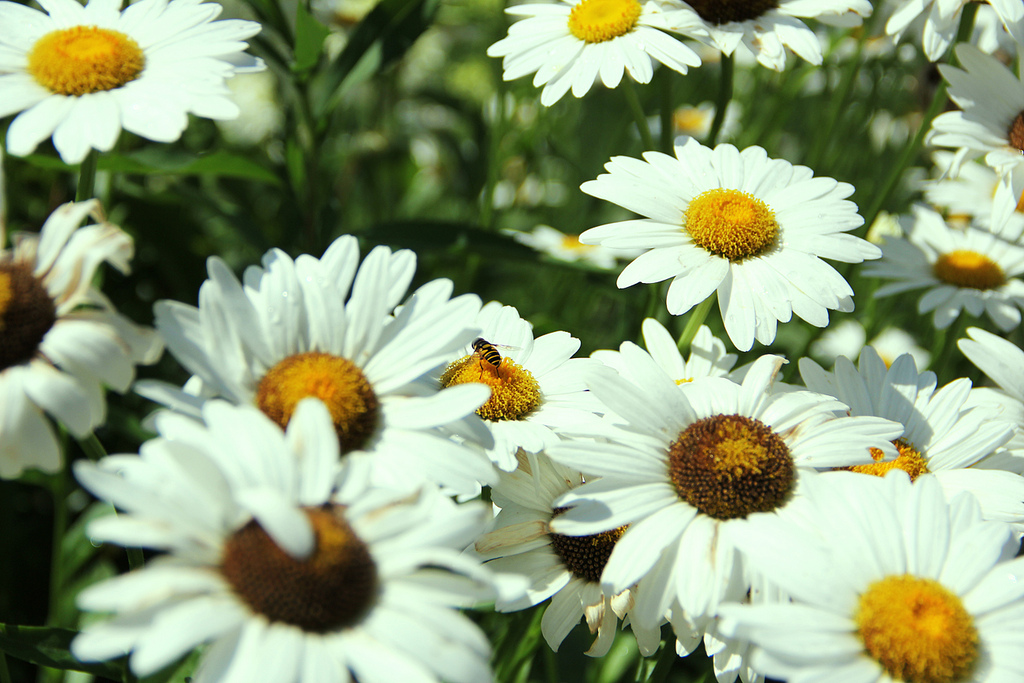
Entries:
{"x":225,"y":560}
{"x":759,"y":282}
{"x":85,"y":107}
{"x":954,"y":562}
{"x":57,"y":363}
{"x":571,"y":48}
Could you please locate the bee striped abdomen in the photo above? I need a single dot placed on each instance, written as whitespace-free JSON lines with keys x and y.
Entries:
{"x":487,"y":351}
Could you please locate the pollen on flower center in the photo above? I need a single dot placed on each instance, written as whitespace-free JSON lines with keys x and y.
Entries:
{"x":966,"y":268}
{"x":333,"y":588}
{"x":729,"y":466}
{"x":515,"y":392}
{"x":719,"y":12}
{"x":730,"y":223}
{"x":909,"y":460}
{"x":596,"y":21}
{"x":917,"y":630}
{"x":27,"y":312}
{"x":85,"y":59}
{"x":336,"y":381}
{"x":585,"y":556}
{"x":1015,"y":135}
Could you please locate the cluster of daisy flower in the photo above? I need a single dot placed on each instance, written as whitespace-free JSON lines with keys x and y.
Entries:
{"x":401,"y":453}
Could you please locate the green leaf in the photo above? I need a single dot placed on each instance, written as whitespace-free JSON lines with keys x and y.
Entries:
{"x":76,"y":547}
{"x":296,"y":164}
{"x":46,"y":646}
{"x":309,"y":38}
{"x":393,"y":25}
{"x":165,"y":161}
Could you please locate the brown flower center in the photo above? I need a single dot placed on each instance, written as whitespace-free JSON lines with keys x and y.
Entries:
{"x":585,"y":556}
{"x":1015,"y":135}
{"x":724,"y":11}
{"x":27,"y":312}
{"x":333,"y":588}
{"x":729,"y":466}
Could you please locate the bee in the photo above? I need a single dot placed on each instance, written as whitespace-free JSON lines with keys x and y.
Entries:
{"x":487,"y":351}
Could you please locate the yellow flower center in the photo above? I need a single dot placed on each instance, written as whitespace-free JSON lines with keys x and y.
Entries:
{"x":909,"y":460}
{"x":595,"y":21}
{"x":572,"y":243}
{"x":336,"y":381}
{"x":27,"y":312}
{"x":966,"y":268}
{"x":917,"y":630}
{"x":692,"y":121}
{"x":728,"y":466}
{"x":514,"y":391}
{"x":719,"y":12}
{"x":333,"y":588}
{"x":585,"y":556}
{"x":731,"y":224}
{"x":85,"y":59}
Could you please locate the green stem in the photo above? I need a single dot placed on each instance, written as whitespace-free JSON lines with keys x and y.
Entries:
{"x":93,"y":448}
{"x":838,"y":104}
{"x":633,"y":100}
{"x":665,"y":115}
{"x":59,"y":491}
{"x":5,"y":675}
{"x":914,"y":146}
{"x":696,"y":319}
{"x":724,"y":97}
{"x":87,"y":177}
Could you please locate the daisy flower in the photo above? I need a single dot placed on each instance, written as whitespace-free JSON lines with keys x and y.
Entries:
{"x":1003,"y":362}
{"x":707,"y":355}
{"x":287,"y":579}
{"x":688,"y":461}
{"x":942,"y":435}
{"x":970,"y":268}
{"x":328,"y":328}
{"x":849,"y":338}
{"x":696,"y":121}
{"x":896,"y":585}
{"x":566,"y":569}
{"x":62,"y":339}
{"x":974,"y":192}
{"x":766,"y":29}
{"x":537,"y":387}
{"x":991,"y":116}
{"x":943,"y":20}
{"x":261,"y":114}
{"x":739,"y":223}
{"x":81,"y":74}
{"x":563,"y":247}
{"x":570,"y":43}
